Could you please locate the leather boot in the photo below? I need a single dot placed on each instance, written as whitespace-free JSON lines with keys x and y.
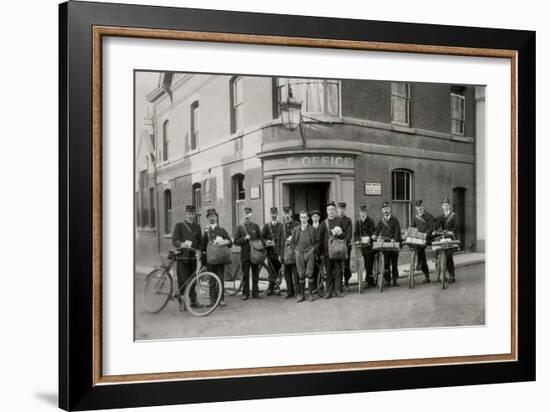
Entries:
{"x":301,"y":289}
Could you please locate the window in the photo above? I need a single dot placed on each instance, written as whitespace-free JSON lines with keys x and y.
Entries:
{"x":167,"y":211}
{"x":152,"y":217}
{"x":400,"y":103}
{"x":401,"y":196}
{"x":165,"y":140}
{"x":318,"y":96}
{"x":197,"y":200}
{"x":194,"y":125}
{"x":237,"y":103}
{"x":238,"y":195}
{"x":458,"y":113}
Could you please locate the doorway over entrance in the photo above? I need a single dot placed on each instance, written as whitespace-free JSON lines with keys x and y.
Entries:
{"x":307,"y":196}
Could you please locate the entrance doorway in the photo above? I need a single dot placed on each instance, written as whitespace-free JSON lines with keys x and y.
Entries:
{"x":307,"y":196}
{"x":459,"y":207}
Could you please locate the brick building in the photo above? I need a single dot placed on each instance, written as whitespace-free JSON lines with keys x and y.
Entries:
{"x":218,"y":141}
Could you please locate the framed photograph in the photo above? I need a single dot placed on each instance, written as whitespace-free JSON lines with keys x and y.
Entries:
{"x":256,"y":206}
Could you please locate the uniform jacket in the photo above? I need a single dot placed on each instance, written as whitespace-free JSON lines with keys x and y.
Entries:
{"x":270,"y":231}
{"x":309,"y":233}
{"x":347,"y":228}
{"x":425,"y":224}
{"x":209,"y":235}
{"x":254,"y":231}
{"x":285,"y":231}
{"x":364,"y":228}
{"x":447,"y":223}
{"x":391,"y":231}
{"x":181,"y":233}
{"x":324,"y":233}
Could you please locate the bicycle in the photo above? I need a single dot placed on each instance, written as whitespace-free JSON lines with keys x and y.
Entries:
{"x":444,"y":241}
{"x":381,"y":245}
{"x":267,"y":274}
{"x":359,"y":263}
{"x":160,"y":287}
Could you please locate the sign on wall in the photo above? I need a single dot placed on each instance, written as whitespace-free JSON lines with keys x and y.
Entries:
{"x":373,"y":189}
{"x":254,"y":192}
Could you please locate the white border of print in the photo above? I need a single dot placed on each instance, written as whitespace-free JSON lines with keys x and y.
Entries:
{"x":121,"y":355}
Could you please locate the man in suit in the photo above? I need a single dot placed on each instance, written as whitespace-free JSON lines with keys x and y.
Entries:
{"x":270,"y":234}
{"x":289,"y":269}
{"x":186,"y":235}
{"x":331,"y":227}
{"x":348,"y":233}
{"x":216,"y":235}
{"x":246,"y":233}
{"x":448,"y":221}
{"x":424,"y":222}
{"x":364,"y":229}
{"x":388,"y":228}
{"x":305,"y":243}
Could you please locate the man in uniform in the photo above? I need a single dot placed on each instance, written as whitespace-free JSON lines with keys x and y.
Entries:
{"x":388,"y":228}
{"x":187,"y":234}
{"x":216,"y":235}
{"x":424,"y":222}
{"x":364,"y":229}
{"x":331,"y":226}
{"x":246,"y":233}
{"x":448,"y":221}
{"x":290,"y":271}
{"x":315,"y":224}
{"x":270,"y":234}
{"x":347,"y":228}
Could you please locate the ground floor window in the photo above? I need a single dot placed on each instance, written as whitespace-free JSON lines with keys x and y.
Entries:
{"x":197,"y":201}
{"x":401,"y":196}
{"x":238,"y":195}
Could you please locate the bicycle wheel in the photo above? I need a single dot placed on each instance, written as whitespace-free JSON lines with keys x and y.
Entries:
{"x":411,"y":271}
{"x":321,"y":281}
{"x":265,"y":276}
{"x":381,"y":278}
{"x":234,"y":284}
{"x":443,"y":269}
{"x":203,"y":293}
{"x":158,"y":290}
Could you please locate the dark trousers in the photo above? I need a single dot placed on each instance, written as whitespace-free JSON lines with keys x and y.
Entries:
{"x":390,"y":259}
{"x":450,"y":262}
{"x":368,"y":259}
{"x":316,"y":271}
{"x":274,"y":259}
{"x":246,"y":266}
{"x":334,"y":276}
{"x":185,"y":269}
{"x":347,"y":268}
{"x":218,"y":270}
{"x":291,"y":278}
{"x":421,"y":261}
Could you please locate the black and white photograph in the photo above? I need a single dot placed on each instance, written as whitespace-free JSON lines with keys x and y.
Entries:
{"x":273,"y":205}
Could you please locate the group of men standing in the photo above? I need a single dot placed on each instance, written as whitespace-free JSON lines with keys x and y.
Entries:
{"x":296,"y":247}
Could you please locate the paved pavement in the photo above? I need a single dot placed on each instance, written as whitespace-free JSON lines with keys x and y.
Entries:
{"x":462,"y":304}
